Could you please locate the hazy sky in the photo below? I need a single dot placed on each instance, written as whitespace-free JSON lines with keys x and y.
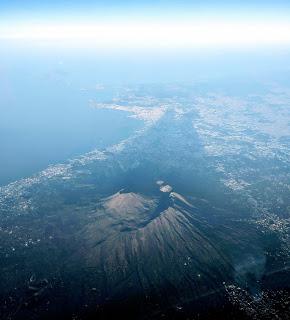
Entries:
{"x":149,"y":23}
{"x":67,"y":5}
{"x":41,"y":77}
{"x":11,"y":10}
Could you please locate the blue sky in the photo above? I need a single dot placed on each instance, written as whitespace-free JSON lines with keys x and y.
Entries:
{"x":40,"y":8}
{"x":30,"y":18}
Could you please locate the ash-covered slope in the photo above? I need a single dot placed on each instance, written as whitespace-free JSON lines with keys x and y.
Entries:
{"x":152,"y":247}
{"x":73,"y":245}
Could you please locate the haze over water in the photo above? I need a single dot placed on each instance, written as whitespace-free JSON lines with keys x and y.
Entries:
{"x":144,"y":160}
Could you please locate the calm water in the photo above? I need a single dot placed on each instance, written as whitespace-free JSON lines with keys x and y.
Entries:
{"x":46,"y":117}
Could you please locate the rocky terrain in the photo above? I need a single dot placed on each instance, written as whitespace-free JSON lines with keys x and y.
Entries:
{"x":188,"y":218}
